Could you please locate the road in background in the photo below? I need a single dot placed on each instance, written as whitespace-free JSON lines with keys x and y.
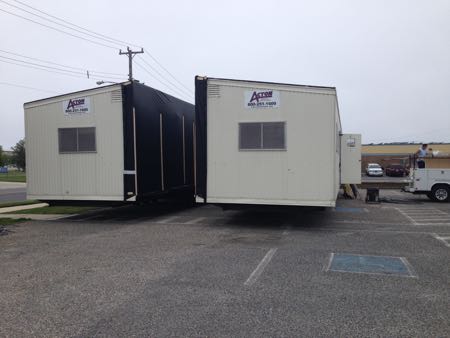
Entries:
{"x":12,"y":192}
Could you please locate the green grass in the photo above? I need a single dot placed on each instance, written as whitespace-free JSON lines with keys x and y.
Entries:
{"x":17,"y":203}
{"x":57,"y":209}
{"x":13,"y":176}
{"x":7,"y":221}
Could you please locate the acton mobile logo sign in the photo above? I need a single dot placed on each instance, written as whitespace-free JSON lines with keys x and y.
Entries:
{"x":81,"y":105}
{"x":262,"y":98}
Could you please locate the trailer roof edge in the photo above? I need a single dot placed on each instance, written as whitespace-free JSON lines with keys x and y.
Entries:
{"x":76,"y":92}
{"x":264,"y":82}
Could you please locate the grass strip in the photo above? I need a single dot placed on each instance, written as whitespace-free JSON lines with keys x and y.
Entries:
{"x":13,"y":176}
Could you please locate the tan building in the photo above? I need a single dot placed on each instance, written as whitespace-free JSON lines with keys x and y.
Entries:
{"x":398,"y":153}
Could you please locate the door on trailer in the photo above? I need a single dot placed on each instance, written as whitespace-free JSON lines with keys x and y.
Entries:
{"x":350,"y":158}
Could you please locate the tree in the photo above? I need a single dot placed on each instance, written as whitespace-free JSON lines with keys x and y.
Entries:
{"x":19,"y":154}
{"x":2,"y":160}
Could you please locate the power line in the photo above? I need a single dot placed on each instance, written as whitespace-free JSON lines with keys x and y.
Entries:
{"x":72,"y":24}
{"x":164,"y":84}
{"x":53,"y":68}
{"x":28,"y":87}
{"x":59,"y":30}
{"x":61,"y":65}
{"x":33,"y":67}
{"x":154,"y":59}
{"x":162,"y":76}
{"x":178,"y":92}
{"x":98,"y":35}
{"x":36,"y":64}
{"x":54,"y":22}
{"x":52,"y":71}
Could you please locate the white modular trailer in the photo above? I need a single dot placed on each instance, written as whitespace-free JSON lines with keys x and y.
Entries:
{"x":271,"y":143}
{"x":124,"y":142}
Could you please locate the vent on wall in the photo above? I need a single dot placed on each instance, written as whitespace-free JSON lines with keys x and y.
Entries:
{"x":213,"y":90}
{"x":116,"y":96}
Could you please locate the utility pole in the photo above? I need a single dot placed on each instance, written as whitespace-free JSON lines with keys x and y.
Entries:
{"x":130,"y":54}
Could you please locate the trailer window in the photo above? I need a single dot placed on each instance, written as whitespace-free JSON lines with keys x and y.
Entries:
{"x":249,"y":135}
{"x":273,"y":135}
{"x":262,"y":136}
{"x":75,"y":140}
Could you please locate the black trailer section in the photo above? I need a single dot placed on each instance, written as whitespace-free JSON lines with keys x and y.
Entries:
{"x":158,"y":144}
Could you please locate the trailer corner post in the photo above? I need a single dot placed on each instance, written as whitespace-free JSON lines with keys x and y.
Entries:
{"x":194,"y":143}
{"x":184,"y":154}
{"x":161,"y":146}
{"x":135,"y":153}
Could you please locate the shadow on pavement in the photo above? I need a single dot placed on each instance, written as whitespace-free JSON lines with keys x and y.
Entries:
{"x":129,"y":213}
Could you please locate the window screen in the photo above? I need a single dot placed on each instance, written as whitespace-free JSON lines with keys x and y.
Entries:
{"x":86,"y":139}
{"x":262,"y":136}
{"x":67,"y":140}
{"x":73,"y":140}
{"x":250,"y":136}
{"x":273,"y":135}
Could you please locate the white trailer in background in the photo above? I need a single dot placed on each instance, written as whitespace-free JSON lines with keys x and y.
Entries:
{"x":271,"y":143}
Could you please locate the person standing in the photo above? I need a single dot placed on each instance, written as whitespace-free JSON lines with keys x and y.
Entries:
{"x":420,"y":154}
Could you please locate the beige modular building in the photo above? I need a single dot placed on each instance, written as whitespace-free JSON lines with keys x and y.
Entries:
{"x":271,"y":143}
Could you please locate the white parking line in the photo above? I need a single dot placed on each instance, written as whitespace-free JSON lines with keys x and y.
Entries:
{"x":260,"y":268}
{"x":432,"y":219}
{"x":425,"y":216}
{"x":408,"y":217}
{"x":196,"y":220}
{"x":436,"y":214}
{"x":444,"y":239}
{"x":168,"y":219}
{"x":411,"y":271}
{"x":287,"y":230}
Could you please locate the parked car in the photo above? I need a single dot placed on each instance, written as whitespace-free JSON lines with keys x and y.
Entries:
{"x":374,"y":169}
{"x":396,"y":170}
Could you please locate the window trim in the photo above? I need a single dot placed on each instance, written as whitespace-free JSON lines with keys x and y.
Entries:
{"x":78,"y":151}
{"x":261,"y":123}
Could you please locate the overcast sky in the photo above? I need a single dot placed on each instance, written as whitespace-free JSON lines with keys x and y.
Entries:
{"x":390,"y":60}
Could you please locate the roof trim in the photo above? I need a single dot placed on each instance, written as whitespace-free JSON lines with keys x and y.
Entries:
{"x":264,"y":82}
{"x":74,"y":93}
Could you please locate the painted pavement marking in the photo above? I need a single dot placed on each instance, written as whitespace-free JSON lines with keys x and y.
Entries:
{"x":443,"y":239}
{"x":260,"y":268}
{"x":370,"y":264}
{"x":425,"y":216}
{"x":168,"y":219}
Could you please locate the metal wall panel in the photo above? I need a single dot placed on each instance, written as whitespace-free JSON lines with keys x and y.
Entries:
{"x":306,"y":173}
{"x":75,"y":176}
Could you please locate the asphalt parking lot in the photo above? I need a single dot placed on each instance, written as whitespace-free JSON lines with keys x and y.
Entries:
{"x":166,"y":271}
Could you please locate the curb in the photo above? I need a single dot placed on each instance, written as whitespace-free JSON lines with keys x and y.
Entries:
{"x":22,"y":207}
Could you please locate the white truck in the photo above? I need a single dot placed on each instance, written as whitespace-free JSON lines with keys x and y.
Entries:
{"x":434,"y":182}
